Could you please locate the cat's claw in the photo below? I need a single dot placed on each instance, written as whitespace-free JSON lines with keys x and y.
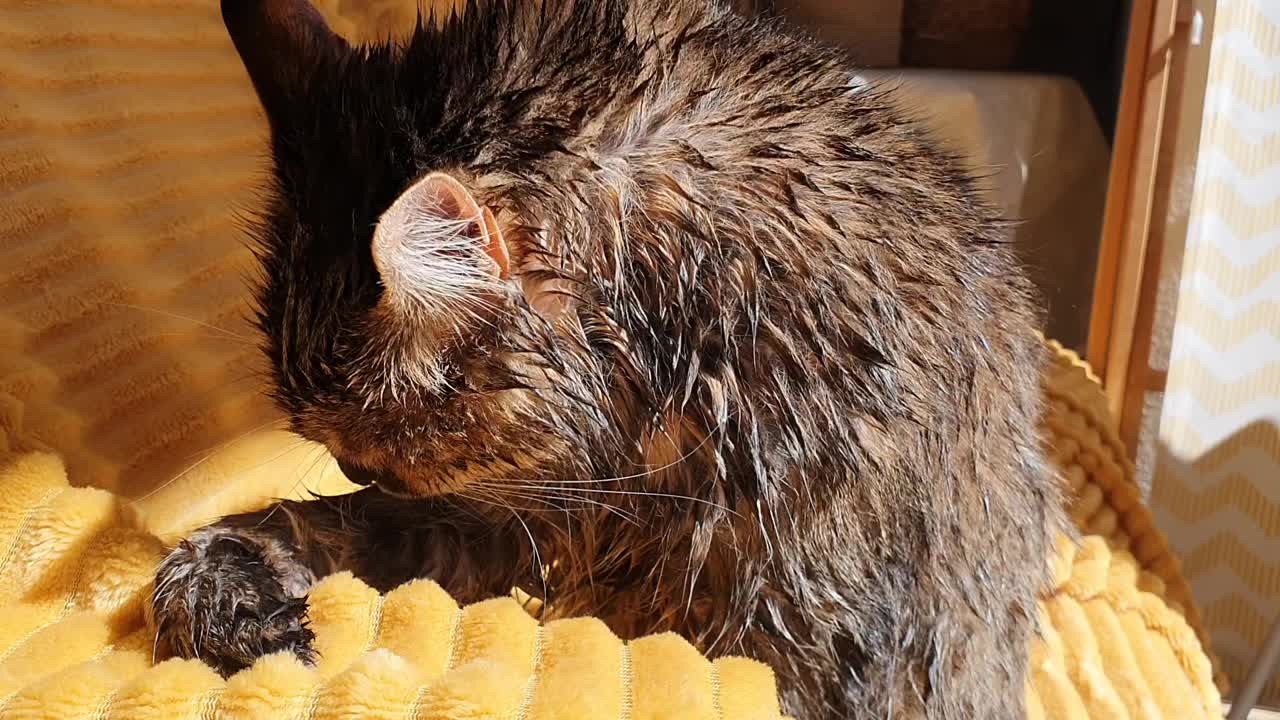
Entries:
{"x":224,"y":599}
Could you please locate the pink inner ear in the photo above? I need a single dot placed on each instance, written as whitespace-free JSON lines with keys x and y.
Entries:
{"x":454,"y":202}
{"x":495,"y":245}
{"x":447,"y":197}
{"x":441,"y":196}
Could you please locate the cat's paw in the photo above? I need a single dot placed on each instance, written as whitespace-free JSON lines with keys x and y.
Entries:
{"x":228,"y":599}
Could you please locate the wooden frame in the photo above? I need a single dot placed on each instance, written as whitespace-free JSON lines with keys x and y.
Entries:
{"x":1134,"y":233}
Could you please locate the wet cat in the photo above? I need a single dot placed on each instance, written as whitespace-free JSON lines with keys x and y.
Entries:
{"x":647,"y":296}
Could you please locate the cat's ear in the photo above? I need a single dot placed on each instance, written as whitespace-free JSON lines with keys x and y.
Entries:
{"x":281,"y":42}
{"x":436,"y":242}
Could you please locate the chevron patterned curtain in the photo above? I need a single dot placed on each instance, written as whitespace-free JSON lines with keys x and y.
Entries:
{"x":1217,"y":484}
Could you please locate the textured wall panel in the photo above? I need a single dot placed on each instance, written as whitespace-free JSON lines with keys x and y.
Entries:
{"x":1217,"y":486}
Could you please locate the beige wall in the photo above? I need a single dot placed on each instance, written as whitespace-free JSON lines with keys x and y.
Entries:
{"x":1216,"y":489}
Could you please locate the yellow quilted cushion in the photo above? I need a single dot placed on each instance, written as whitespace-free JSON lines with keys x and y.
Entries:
{"x":77,"y":563}
{"x":1122,"y":636}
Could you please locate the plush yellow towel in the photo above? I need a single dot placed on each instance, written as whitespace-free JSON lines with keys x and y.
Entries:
{"x":74,"y":578}
{"x":1121,"y":639}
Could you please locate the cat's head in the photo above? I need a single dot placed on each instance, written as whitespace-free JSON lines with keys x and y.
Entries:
{"x":428,"y":293}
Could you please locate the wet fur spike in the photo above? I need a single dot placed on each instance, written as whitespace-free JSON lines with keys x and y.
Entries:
{"x":764,"y":371}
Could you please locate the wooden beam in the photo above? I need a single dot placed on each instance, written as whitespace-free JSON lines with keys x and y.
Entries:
{"x":1139,"y":377}
{"x":1131,"y":196}
{"x":1124,"y":141}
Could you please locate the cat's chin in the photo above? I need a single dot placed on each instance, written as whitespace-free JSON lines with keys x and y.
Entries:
{"x":382,"y":482}
{"x":400,"y":494}
{"x":448,"y":476}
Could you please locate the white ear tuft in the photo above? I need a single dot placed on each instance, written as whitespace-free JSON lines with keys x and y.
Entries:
{"x":436,"y":246}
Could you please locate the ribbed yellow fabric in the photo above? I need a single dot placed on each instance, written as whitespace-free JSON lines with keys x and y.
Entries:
{"x":1122,"y":638}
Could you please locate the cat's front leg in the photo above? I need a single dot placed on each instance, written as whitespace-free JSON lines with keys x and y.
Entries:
{"x":236,"y":590}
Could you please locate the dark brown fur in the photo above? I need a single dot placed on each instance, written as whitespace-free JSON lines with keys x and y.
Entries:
{"x":768,"y":376}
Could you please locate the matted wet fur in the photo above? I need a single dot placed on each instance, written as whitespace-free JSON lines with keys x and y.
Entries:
{"x":762,"y":370}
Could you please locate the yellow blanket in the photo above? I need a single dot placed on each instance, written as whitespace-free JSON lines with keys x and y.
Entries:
{"x":1120,"y":635}
{"x":74,"y":580}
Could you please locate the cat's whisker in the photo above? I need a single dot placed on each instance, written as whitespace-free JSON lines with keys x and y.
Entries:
{"x":491,"y":495}
{"x":237,"y":475}
{"x":650,"y":471}
{"x":467,"y":506}
{"x":492,"y":499}
{"x":179,"y":316}
{"x":318,"y":454}
{"x":279,"y":422}
{"x":538,"y":566}
{"x":573,"y":486}
{"x":538,"y":494}
{"x":639,"y":493}
{"x":202,"y":336}
{"x":155,"y":647}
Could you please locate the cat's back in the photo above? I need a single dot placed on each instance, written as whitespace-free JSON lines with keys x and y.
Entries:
{"x":802,"y":270}
{"x":741,"y":138}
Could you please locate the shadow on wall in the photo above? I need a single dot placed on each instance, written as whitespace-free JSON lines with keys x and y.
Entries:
{"x":1221,"y":512}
